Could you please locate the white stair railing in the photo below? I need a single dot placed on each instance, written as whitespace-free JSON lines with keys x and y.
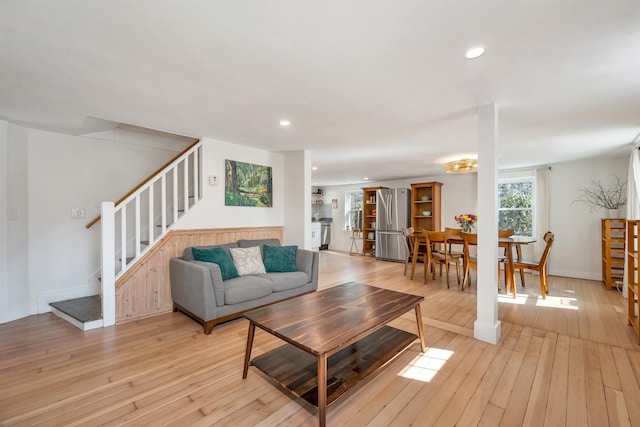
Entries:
{"x":135,"y":225}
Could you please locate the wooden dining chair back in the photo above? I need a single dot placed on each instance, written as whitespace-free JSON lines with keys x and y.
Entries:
{"x":443,"y":256}
{"x":455,"y":234}
{"x":412,"y":239}
{"x":469,"y":239}
{"x":503,"y":258}
{"x":539,"y":266}
{"x":408,"y":246}
{"x":506,"y":233}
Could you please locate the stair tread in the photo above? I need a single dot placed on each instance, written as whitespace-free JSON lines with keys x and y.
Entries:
{"x":85,"y":309}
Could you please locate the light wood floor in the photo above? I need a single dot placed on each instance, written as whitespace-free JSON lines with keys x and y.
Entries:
{"x":574,"y":362}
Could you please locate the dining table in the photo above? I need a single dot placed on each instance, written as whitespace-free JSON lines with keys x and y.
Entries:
{"x":504,"y":242}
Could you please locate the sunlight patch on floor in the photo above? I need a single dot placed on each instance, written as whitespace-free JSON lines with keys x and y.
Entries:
{"x":558,"y":302}
{"x":426,"y":365}
{"x":551,"y":301}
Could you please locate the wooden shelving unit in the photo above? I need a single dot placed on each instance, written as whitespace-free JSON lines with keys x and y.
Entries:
{"x":613,"y":244}
{"x":425,"y":197}
{"x":369,"y":219}
{"x":632,"y":274}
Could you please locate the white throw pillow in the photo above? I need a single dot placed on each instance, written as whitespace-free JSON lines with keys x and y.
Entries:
{"x":248,"y":260}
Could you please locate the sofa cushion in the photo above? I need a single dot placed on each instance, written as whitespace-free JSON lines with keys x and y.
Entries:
{"x":246,"y":288}
{"x":279,"y":259}
{"x":247,"y":260}
{"x":248,"y":243}
{"x":286,"y":281}
{"x":187,"y":254}
{"x":217,"y":255}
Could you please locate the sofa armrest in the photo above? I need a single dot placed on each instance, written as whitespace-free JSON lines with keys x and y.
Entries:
{"x":307,"y":261}
{"x":193,"y":286}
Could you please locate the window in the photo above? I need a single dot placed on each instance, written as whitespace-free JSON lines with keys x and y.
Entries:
{"x":353,"y":204}
{"x":516,"y":205}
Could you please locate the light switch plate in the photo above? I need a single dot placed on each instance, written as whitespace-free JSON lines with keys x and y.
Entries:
{"x":77,"y":213}
{"x":213,"y":180}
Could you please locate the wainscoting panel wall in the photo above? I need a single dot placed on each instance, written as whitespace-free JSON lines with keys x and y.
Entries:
{"x":145,"y":289}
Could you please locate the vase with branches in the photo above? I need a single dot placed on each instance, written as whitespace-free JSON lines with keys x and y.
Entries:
{"x":598,"y":196}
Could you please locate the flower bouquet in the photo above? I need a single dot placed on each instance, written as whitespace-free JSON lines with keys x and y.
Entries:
{"x":466,"y":221}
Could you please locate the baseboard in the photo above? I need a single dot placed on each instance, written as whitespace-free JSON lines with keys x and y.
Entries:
{"x":586,"y":275}
{"x":44,"y":298}
{"x":16,"y":313}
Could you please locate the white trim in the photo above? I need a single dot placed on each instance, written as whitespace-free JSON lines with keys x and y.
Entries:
{"x":575,"y":274}
{"x":486,"y":332}
{"x":85,"y":326}
{"x":108,"y":260}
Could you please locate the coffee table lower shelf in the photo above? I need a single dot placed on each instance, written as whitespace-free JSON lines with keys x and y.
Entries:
{"x":296,"y":370}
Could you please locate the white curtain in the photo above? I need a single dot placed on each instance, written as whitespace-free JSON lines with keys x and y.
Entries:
{"x":633,"y":199}
{"x":543,"y":209}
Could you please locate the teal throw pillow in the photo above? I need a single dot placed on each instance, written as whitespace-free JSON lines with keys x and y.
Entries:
{"x":279,"y":259}
{"x":217,"y":255}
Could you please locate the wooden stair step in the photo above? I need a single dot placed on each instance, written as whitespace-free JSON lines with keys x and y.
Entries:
{"x":85,"y":309}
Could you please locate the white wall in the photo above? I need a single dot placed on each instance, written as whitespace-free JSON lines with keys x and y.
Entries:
{"x":211,"y":212}
{"x":576,"y":251}
{"x":458,"y":197}
{"x":577,"y":246}
{"x":17,"y":224}
{"x":4,"y":172}
{"x":50,"y":256}
{"x":47,"y":256}
{"x":297,"y":183}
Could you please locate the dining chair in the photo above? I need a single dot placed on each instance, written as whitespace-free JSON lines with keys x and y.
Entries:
{"x":469,"y":239}
{"x":539,"y":266}
{"x":420,"y":239}
{"x":441,"y":238}
{"x":502,"y":259}
{"x":415,"y":238}
{"x":408,"y":246}
{"x":455,"y":234}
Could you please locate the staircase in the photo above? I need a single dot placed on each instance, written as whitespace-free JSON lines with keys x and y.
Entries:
{"x":131,"y":227}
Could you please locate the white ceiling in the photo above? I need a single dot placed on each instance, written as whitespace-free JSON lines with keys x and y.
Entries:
{"x":372,"y":88}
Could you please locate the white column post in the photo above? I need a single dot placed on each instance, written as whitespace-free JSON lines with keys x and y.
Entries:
{"x":108,"y":268}
{"x":487,"y":325}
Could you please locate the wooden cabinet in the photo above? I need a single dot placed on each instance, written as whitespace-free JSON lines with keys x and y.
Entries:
{"x":369,"y":221}
{"x":613,"y":244}
{"x":632,"y":274}
{"x":425,"y":206}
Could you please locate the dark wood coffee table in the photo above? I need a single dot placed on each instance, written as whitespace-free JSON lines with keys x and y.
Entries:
{"x":336,"y":338}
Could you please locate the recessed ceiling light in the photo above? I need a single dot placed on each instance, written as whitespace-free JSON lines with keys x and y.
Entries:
{"x":474,"y":52}
{"x":366,"y":179}
{"x":315,"y":168}
{"x":285,"y":122}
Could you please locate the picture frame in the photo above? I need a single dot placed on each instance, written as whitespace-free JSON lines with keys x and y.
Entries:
{"x":248,"y":184}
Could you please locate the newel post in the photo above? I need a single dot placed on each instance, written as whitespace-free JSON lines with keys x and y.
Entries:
{"x":108,"y":267}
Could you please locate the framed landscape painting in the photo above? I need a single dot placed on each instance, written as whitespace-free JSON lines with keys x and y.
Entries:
{"x":247,"y":184}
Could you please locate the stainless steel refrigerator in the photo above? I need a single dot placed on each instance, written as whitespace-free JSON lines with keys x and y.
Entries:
{"x":393,"y":211}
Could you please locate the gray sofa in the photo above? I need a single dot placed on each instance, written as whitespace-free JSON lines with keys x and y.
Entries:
{"x":197,"y":288}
